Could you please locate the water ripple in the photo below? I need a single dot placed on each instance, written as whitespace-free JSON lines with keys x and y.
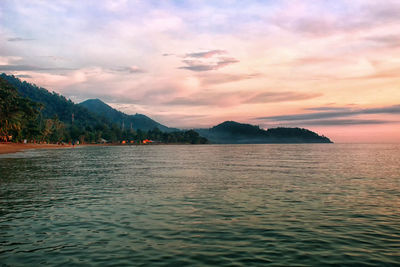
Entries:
{"x":277,"y":205}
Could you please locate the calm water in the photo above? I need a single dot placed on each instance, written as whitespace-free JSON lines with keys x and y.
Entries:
{"x":239,"y":205}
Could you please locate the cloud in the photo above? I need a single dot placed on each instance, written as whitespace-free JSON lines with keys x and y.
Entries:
{"x":23,"y":76}
{"x":385,"y":40}
{"x":380,"y":13}
{"x":220,"y":78}
{"x":392,"y":73}
{"x":385,"y":110}
{"x":328,"y":109}
{"x":207,"y":60}
{"x":323,"y":18}
{"x":333,"y":114}
{"x":193,"y":101}
{"x":131,"y":69}
{"x":339,"y":122}
{"x":19,"y":39}
{"x":274,"y":97}
{"x":313,"y":26}
{"x":196,"y":65}
{"x":9,"y":60}
{"x":29,"y":68}
{"x":239,"y":97}
{"x":54,"y":58}
{"x":225,"y":61}
{"x":206,"y":54}
{"x":315,"y":60}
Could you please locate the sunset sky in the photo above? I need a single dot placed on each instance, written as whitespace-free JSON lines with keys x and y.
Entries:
{"x":329,"y":66}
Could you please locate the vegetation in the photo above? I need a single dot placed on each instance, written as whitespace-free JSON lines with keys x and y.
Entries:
{"x":16,"y":113}
{"x":33,"y":113}
{"x":137,"y":121}
{"x":231,"y":132}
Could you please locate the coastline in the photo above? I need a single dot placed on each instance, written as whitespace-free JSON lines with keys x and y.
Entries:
{"x":8,"y":148}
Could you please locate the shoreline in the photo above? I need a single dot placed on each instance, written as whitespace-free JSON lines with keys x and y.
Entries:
{"x":8,"y":148}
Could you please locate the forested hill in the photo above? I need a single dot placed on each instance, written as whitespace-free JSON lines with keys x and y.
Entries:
{"x":55,"y":105}
{"x":33,"y":113}
{"x":230,"y":132}
{"x":137,"y":121}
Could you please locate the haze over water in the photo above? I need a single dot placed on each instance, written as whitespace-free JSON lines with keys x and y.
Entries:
{"x":201,"y":205}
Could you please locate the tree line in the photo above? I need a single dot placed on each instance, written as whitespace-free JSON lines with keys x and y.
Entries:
{"x":23,"y":119}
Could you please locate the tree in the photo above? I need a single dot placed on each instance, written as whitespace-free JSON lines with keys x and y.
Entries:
{"x":15,"y":112}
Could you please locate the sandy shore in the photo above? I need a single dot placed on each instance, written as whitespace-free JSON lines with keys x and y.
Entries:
{"x":13,"y":147}
{"x":6,"y":148}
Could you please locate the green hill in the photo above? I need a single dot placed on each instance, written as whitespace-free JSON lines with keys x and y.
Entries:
{"x":33,"y":113}
{"x":230,"y":132}
{"x":54,"y":104}
{"x":137,"y":121}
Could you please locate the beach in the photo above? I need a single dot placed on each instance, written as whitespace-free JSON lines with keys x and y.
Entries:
{"x":6,"y":148}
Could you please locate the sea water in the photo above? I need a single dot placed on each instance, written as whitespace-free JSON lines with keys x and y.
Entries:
{"x":198,"y":205}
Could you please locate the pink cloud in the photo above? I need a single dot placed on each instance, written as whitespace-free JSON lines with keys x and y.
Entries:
{"x":206,"y":54}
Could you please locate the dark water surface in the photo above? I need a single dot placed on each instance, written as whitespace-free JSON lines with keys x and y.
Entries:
{"x":233,"y":205}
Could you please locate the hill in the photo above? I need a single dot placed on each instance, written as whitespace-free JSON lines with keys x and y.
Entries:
{"x":55,"y":105}
{"x":230,"y":132}
{"x":137,"y":121}
{"x":32,"y":113}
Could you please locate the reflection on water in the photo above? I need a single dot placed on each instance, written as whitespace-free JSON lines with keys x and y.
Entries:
{"x":201,"y":205}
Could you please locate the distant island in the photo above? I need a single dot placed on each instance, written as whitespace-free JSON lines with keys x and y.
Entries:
{"x":230,"y":132}
{"x":33,"y":114}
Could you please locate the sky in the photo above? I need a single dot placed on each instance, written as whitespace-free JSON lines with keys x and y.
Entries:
{"x":329,"y":66}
